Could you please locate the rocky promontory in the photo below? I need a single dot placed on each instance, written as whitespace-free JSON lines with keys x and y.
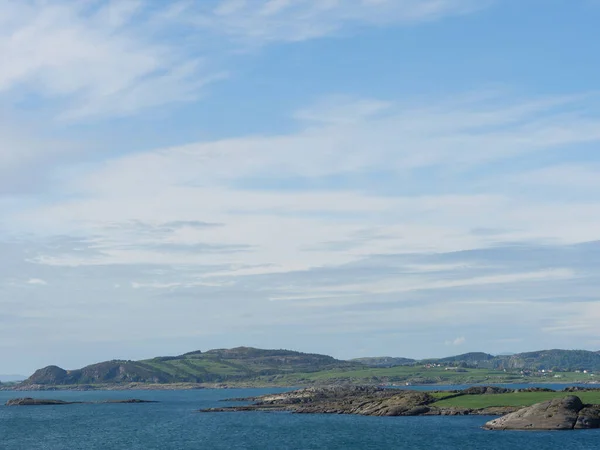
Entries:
{"x":565,"y":413}
{"x":361,"y":400}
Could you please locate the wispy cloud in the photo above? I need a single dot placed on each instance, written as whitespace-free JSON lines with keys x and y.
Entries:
{"x":215,"y":182}
{"x":117,"y":58}
{"x":95,"y":57}
{"x":263,"y":21}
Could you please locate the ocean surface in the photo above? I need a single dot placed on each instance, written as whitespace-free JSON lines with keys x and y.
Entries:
{"x":173,"y":424}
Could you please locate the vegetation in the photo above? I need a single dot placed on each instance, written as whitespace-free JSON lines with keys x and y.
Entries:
{"x":384,"y":361}
{"x":556,"y":360}
{"x":231,"y":365}
{"x":516,"y":399}
{"x":402,"y":375}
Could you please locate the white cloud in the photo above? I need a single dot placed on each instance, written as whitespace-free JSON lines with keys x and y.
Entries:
{"x":197,"y":182}
{"x":116,"y":58}
{"x":37,"y":282}
{"x":456,"y":342}
{"x":97,"y":57}
{"x":576,"y":319}
{"x":263,"y":21}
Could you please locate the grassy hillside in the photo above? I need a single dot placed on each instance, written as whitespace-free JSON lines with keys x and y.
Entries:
{"x":419,"y":374}
{"x":518,"y":399}
{"x":384,"y":361}
{"x":221,"y":365}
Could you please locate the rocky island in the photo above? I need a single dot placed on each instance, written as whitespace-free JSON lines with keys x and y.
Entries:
{"x":28,"y":401}
{"x":563,"y":412}
{"x":566,"y":413}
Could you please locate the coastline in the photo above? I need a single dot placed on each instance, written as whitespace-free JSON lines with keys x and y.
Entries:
{"x":242,"y":385}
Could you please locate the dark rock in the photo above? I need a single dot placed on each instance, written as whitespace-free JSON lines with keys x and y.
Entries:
{"x":35,"y":402}
{"x":580,"y":389}
{"x":481,"y":390}
{"x":48,"y":402}
{"x":130,"y":400}
{"x":454,"y":411}
{"x":535,"y":389}
{"x":418,"y":411}
{"x":589,"y":417}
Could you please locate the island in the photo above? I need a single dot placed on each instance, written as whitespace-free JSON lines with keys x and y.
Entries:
{"x":521,"y":409}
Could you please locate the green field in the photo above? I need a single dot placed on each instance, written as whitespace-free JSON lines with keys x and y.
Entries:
{"x":517,"y":399}
{"x":417,"y":375}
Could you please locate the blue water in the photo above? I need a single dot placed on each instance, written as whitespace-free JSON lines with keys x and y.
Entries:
{"x":173,"y":424}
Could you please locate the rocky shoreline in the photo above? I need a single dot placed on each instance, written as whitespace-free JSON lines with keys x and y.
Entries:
{"x":562,"y":413}
{"x":363,"y":400}
{"x":111,"y":387}
{"x":137,"y":386}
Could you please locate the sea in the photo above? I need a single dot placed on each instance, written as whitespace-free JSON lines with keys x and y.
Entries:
{"x":174,"y":424}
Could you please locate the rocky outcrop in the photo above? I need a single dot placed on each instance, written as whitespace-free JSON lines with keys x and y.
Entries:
{"x":588,"y":417}
{"x":580,"y":389}
{"x":565,"y":413}
{"x":484,"y":390}
{"x":361,"y":400}
{"x":130,"y":400}
{"x":28,"y":401}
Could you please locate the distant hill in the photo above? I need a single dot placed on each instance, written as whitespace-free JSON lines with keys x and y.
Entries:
{"x":469,"y":358}
{"x":246,"y":364}
{"x":384,"y":361}
{"x":552,"y":359}
{"x":566,"y":360}
{"x":237,"y":364}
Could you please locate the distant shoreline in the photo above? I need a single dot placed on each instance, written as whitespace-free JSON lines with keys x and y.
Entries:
{"x":197,"y":386}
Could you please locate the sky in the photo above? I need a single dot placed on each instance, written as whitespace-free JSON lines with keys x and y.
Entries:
{"x":413,"y":178}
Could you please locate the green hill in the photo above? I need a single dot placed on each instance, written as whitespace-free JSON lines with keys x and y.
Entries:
{"x":476,"y":358}
{"x":384,"y":361}
{"x":568,"y":360}
{"x":219,"y":365}
{"x":560,"y":360}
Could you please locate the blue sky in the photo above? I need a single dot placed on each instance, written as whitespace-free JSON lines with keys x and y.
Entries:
{"x":409,"y":178}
